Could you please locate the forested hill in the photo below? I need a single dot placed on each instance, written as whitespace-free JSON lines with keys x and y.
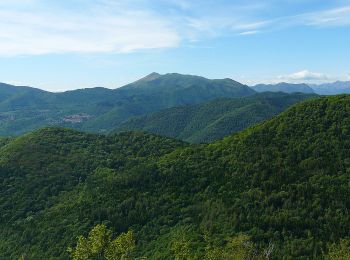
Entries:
{"x":173,"y":85}
{"x":213,"y":120}
{"x":101,"y":110}
{"x":283,"y":183}
{"x":8,"y":91}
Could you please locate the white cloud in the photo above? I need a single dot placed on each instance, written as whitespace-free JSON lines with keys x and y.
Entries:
{"x":243,"y":20}
{"x":34,"y":27}
{"x":248,"y":32}
{"x":252,"y":26}
{"x":97,"y":29}
{"x":325,"y":18}
{"x":333,"y":17}
{"x":348,"y":77}
{"x":304,"y":75}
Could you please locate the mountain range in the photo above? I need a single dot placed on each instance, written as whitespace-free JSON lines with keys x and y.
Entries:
{"x":334,"y":88}
{"x":280,"y":187}
{"x":101,"y":110}
{"x":213,"y":120}
{"x":338,"y":87}
{"x":283,"y":87}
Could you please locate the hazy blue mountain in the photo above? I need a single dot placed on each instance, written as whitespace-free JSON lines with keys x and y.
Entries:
{"x":283,"y":87}
{"x":213,"y":120}
{"x":338,"y":87}
{"x":99,"y":109}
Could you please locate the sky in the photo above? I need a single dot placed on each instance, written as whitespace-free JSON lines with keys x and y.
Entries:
{"x":69,"y":44}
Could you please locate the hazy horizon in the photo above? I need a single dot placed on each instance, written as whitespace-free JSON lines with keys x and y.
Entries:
{"x":74,"y":44}
{"x":112,"y":88}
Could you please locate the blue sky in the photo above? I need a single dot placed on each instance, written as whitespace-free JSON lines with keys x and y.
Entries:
{"x":69,"y":44}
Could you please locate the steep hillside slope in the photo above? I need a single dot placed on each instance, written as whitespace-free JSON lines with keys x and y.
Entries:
{"x":197,"y":87}
{"x":156,"y":92}
{"x":8,"y":91}
{"x":284,"y":182}
{"x":39,"y":167}
{"x":213,"y":120}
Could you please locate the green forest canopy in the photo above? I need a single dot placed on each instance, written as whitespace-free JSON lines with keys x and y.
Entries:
{"x":283,"y":182}
{"x":213,"y":120}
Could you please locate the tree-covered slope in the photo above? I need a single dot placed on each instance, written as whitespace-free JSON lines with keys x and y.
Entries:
{"x":173,"y":85}
{"x":8,"y":91}
{"x":38,"y":167}
{"x":23,"y":109}
{"x":156,"y":92}
{"x":284,"y":182}
{"x":215,"y":119}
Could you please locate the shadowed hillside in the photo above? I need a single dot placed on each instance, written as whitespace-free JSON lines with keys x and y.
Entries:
{"x":213,"y":120}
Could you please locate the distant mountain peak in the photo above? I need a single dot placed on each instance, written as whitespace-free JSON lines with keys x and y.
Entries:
{"x":150,"y":77}
{"x":284,"y":87}
{"x":332,"y":88}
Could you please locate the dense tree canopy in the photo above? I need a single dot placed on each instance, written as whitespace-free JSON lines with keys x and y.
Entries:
{"x":100,"y":245}
{"x":213,"y":120}
{"x":281,"y":186}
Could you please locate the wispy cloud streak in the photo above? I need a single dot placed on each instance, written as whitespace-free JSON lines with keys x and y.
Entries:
{"x":327,"y":18}
{"x":35,"y":27}
{"x":25,"y":32}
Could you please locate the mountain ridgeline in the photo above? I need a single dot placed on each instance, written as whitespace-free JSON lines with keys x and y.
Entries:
{"x":338,"y":87}
{"x":283,"y":87}
{"x":213,"y":120}
{"x":333,"y":88}
{"x":101,"y":110}
{"x":284,"y":183}
{"x":23,"y":109}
